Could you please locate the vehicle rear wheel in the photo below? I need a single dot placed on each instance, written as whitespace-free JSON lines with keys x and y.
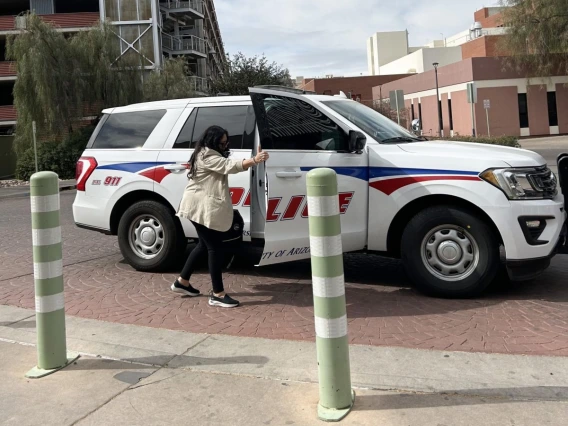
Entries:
{"x":149,"y":236}
{"x":449,"y":252}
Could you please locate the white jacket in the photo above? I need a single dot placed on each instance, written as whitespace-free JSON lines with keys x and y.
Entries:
{"x":207,"y":198}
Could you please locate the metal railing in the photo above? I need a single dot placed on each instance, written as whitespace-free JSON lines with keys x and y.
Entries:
{"x":196,"y":5}
{"x":199,"y":84}
{"x":466,"y":37}
{"x":183,"y":43}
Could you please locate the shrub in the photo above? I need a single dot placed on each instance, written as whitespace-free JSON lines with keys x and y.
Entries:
{"x":58,"y":157}
{"x":511,"y":141}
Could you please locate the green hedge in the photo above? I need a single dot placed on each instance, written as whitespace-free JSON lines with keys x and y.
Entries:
{"x":511,"y":141}
{"x":58,"y":157}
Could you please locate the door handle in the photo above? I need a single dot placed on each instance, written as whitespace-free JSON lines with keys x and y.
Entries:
{"x":176,"y":168}
{"x":289,"y":175}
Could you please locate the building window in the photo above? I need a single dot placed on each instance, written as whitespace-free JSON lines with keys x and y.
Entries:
{"x":451,"y":115}
{"x":420,"y":114}
{"x":412,"y":112}
{"x":552,"y":109}
{"x":523,"y":111}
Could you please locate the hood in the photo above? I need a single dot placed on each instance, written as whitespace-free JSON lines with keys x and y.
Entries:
{"x":493,"y":155}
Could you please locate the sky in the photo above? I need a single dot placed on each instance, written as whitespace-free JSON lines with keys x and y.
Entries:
{"x":313,"y":38}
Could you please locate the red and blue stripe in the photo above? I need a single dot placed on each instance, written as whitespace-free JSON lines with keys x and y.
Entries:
{"x":390,"y":179}
{"x":385,"y":179}
{"x":151,"y":170}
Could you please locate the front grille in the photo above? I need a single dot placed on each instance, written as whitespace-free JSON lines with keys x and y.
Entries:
{"x":543,"y":180}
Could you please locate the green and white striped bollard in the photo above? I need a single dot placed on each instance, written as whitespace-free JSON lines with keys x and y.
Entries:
{"x":336,"y":395}
{"x":48,"y":276}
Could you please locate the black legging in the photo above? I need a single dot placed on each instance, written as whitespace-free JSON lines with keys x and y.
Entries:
{"x":210,"y":241}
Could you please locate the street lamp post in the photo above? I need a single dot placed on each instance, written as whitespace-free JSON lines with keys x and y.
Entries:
{"x":440,"y":124}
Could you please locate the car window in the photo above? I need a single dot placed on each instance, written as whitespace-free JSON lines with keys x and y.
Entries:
{"x":128,"y":129}
{"x":297,"y":125}
{"x":231,"y":118}
{"x":250,"y":129}
{"x":379,"y":127}
{"x":184,"y":138}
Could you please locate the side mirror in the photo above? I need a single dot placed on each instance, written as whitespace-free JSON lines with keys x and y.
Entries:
{"x":357,"y":141}
{"x":416,"y":125}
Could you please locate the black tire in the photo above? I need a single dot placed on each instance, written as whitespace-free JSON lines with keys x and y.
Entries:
{"x":174,"y":240}
{"x":430,"y":269}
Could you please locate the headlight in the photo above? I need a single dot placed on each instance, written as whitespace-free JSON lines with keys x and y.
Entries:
{"x":534,"y":183}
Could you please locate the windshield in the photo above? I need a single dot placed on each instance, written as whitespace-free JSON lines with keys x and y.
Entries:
{"x":381,"y":128}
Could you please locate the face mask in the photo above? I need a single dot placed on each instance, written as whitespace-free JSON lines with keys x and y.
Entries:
{"x":224,"y":150}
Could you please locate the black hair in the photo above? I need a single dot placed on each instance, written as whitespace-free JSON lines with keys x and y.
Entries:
{"x":211,"y":139}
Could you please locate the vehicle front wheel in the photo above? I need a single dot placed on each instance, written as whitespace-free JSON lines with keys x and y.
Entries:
{"x":149,"y":236}
{"x":449,"y":252}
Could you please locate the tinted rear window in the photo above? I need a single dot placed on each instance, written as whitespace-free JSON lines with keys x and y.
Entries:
{"x":128,"y":129}
{"x":231,"y":118}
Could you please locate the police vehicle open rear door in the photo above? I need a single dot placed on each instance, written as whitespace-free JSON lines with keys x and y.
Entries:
{"x":300,"y":135}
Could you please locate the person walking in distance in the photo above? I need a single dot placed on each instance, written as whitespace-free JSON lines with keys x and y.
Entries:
{"x":207,"y":204}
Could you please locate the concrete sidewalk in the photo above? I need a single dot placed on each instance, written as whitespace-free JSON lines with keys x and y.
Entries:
{"x":24,"y":190}
{"x":140,"y":376}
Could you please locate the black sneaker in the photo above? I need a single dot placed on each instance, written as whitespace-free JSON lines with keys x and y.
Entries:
{"x":188,"y":291}
{"x":224,"y":302}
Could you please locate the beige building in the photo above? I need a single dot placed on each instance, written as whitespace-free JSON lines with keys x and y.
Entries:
{"x":516,"y":106}
{"x":390,"y":53}
{"x":507,"y":102}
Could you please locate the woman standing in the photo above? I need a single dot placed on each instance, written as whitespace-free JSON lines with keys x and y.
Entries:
{"x":207,"y":204}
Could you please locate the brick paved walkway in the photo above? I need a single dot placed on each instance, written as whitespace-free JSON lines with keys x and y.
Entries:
{"x":530,"y":318}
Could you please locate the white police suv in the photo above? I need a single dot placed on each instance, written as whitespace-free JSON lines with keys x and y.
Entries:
{"x":454,"y":212}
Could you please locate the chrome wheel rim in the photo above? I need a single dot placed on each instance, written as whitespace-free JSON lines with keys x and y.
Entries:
{"x":450,"y":253}
{"x":146,"y":236}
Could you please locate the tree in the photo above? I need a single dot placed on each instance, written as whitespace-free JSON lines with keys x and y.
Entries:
{"x":537,"y":36}
{"x":46,"y":90}
{"x":63,"y":80}
{"x":242,"y":72}
{"x":172,"y":82}
{"x":107,"y":79}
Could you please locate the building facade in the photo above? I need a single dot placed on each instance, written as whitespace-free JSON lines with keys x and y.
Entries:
{"x":386,"y":47}
{"x":360,"y":88}
{"x":508,"y":104}
{"x":390,"y":52}
{"x":517,"y":106}
{"x":147,"y":30}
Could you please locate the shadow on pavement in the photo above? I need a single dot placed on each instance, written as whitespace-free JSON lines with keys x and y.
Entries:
{"x":19,"y":324}
{"x":184,"y":361}
{"x":173,"y":361}
{"x":378,"y":287}
{"x":402,"y":401}
{"x":362,"y":302}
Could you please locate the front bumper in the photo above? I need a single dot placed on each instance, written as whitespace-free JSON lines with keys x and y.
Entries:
{"x":517,"y":247}
{"x":528,"y":269}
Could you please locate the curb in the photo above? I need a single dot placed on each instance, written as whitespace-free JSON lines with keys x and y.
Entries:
{"x":521,"y":377}
{"x":27,"y":192}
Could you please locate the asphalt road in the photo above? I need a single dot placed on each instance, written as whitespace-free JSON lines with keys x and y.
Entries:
{"x":550,"y":148}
